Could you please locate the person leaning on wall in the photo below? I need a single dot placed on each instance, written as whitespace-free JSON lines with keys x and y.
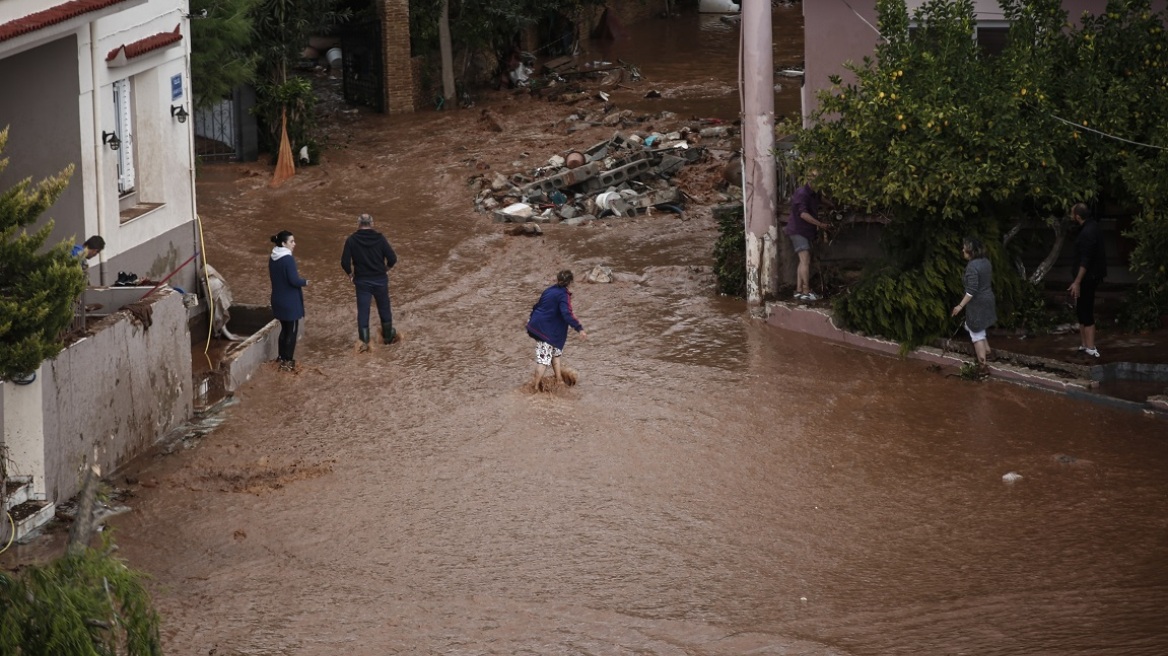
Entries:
{"x":88,"y":250}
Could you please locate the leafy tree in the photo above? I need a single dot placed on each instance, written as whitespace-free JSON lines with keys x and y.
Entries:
{"x":281,"y":31}
{"x":1121,"y":88}
{"x":37,"y":287}
{"x":85,"y":603}
{"x":82,"y":604}
{"x":485,"y":25}
{"x":221,"y":54}
{"x":950,"y":142}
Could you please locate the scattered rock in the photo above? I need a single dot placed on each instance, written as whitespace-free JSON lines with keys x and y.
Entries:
{"x":599,"y":274}
{"x":526,"y":229}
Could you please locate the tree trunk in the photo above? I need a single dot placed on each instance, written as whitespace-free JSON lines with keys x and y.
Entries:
{"x":1060,"y":235}
{"x":446,"y":50}
{"x":84,"y":524}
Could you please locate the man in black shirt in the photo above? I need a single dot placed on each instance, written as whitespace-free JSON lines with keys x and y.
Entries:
{"x":367,"y":259}
{"x":1089,"y":269}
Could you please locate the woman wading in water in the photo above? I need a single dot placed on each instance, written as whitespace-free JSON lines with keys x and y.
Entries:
{"x":978,"y":302}
{"x":548,"y":326}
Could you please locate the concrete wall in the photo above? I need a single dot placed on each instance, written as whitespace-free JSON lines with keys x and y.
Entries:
{"x":119,"y":390}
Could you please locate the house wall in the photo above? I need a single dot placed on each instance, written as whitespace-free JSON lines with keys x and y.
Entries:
{"x":73,"y":104}
{"x":159,"y":257}
{"x":38,"y":147}
{"x":117,"y":391}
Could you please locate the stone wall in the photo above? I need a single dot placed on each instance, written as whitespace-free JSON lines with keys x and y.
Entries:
{"x":118,"y":390}
{"x":400,"y":85}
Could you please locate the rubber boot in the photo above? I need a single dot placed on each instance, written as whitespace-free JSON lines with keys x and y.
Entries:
{"x":363,"y":334}
{"x":388,"y":334}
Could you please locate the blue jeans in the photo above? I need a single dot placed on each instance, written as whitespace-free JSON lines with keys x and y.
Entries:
{"x":367,"y":290}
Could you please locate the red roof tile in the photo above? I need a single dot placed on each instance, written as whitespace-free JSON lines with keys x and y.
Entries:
{"x":52,"y":16}
{"x":143,"y":46}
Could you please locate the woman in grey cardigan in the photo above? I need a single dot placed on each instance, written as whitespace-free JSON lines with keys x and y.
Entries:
{"x":978,"y":302}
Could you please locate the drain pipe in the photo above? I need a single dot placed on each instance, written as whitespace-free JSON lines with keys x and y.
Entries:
{"x":99,"y":148}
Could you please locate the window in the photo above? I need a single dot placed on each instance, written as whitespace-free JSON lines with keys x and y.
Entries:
{"x":991,"y":37}
{"x":992,"y":40}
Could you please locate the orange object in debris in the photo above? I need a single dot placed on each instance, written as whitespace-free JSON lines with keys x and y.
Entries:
{"x":285,"y":168}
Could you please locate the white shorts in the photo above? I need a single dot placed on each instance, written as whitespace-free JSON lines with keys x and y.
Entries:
{"x":978,"y":336}
{"x":544,"y":353}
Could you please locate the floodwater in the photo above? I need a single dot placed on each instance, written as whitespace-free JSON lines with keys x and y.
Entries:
{"x":713,"y":486}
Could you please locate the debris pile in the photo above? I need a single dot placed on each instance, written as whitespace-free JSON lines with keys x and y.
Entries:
{"x":620,"y":177}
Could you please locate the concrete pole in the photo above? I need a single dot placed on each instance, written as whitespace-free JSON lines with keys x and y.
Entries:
{"x":758,"y":143}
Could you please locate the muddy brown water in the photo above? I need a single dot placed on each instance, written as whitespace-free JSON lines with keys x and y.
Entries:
{"x":712,"y":485}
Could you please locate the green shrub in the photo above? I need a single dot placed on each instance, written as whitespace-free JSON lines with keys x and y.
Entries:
{"x":730,"y":251}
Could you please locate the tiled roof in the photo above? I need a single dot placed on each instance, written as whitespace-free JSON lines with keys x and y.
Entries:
{"x":143,"y":46}
{"x":52,"y":16}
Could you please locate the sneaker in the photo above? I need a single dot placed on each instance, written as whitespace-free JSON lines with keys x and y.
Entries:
{"x":1093,"y":352}
{"x":811,"y":296}
{"x":800,"y":296}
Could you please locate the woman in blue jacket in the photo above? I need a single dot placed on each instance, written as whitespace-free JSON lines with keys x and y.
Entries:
{"x":548,"y":326}
{"x":287,"y":297}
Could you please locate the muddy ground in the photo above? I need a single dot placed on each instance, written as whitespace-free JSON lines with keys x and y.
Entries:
{"x":712,"y":485}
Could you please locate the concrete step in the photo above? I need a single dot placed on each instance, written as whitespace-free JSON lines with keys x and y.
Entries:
{"x":16,"y":491}
{"x":27,"y":517}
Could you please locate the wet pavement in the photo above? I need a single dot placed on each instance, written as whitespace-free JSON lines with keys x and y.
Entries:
{"x":712,"y":486}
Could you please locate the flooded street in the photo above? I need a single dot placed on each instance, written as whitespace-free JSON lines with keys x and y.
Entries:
{"x":712,"y":486}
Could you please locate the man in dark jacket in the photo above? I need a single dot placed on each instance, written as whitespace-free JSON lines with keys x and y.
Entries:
{"x":367,"y":259}
{"x":1089,"y":269}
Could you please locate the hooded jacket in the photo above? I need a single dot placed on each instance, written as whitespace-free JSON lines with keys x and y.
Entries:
{"x":368,"y":256}
{"x":287,"y":286}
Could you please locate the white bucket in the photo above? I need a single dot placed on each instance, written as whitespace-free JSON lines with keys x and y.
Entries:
{"x":718,"y":7}
{"x":334,"y":57}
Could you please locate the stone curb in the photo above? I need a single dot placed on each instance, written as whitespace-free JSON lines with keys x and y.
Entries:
{"x":1075,"y":381}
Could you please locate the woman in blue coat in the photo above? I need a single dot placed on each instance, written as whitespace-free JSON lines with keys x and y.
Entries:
{"x":548,"y":326}
{"x":287,"y":296}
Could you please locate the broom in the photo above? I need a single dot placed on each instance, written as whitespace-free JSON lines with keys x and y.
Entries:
{"x":284,"y":167}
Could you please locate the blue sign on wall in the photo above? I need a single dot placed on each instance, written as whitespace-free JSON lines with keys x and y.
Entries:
{"x":176,"y":86}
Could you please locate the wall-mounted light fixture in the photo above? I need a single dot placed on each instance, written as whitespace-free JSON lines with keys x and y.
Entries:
{"x":179,"y":112}
{"x":111,"y":138}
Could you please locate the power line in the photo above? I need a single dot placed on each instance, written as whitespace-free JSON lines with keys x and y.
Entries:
{"x":863,"y":19}
{"x":1104,"y":134}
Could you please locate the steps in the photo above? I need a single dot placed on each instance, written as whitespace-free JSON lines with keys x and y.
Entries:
{"x":27,"y":514}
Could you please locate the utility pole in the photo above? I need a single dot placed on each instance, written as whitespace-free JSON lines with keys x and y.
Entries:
{"x":758,"y":144}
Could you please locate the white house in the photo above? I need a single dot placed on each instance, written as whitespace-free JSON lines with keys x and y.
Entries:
{"x":104,"y":85}
{"x":82,"y":77}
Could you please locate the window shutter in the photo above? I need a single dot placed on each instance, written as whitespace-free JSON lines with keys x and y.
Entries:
{"x":125,"y":121}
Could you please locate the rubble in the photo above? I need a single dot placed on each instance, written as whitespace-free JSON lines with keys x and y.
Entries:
{"x":623,"y":176}
{"x":634,"y":172}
